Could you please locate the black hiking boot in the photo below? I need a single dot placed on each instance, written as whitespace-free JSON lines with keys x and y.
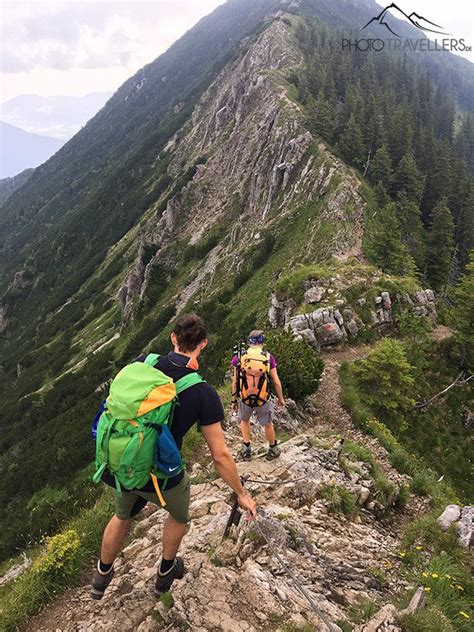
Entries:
{"x":273,"y":452}
{"x":100,"y":583}
{"x":245,"y":452}
{"x":164,"y":581}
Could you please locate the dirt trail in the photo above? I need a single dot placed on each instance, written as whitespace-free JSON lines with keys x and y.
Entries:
{"x":236,"y":585}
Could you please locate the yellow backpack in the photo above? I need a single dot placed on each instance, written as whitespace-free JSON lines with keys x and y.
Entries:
{"x":254,"y":371}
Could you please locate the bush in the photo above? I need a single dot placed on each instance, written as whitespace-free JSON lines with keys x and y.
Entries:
{"x":387,"y":379}
{"x":299,"y":368}
{"x":59,"y":557}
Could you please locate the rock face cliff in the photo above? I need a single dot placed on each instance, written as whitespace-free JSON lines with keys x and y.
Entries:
{"x":256,"y":167}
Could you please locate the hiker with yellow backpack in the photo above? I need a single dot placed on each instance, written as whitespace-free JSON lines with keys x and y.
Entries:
{"x":254,"y":369}
{"x":152,"y":403}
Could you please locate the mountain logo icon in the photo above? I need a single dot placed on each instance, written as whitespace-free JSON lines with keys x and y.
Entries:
{"x":386,"y":19}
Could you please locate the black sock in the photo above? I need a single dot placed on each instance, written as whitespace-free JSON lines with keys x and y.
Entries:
{"x":247,"y":445}
{"x":166,"y":565}
{"x":273,"y":445}
{"x":104,"y":568}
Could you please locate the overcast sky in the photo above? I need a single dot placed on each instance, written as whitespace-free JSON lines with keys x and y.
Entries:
{"x":77,"y":47}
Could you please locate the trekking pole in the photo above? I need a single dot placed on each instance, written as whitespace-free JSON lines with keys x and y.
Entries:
{"x":239,"y":351}
{"x":235,"y":516}
{"x":235,"y":513}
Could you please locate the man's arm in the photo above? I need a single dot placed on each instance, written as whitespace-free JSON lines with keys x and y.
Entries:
{"x":278,"y":387}
{"x":225,"y":465}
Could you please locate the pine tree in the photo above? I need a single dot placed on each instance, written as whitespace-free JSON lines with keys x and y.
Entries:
{"x":381,"y":168}
{"x":386,"y":245}
{"x":465,"y":224}
{"x":407,"y":179}
{"x":323,"y":120}
{"x":381,"y":195}
{"x":350,"y":143}
{"x":412,"y":230}
{"x":400,"y":133}
{"x":440,"y":246}
{"x":465,"y":313}
{"x":439,"y":178}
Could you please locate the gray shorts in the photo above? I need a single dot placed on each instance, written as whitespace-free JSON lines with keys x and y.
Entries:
{"x":263,"y":413}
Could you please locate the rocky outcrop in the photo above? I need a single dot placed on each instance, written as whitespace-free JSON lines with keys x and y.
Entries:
{"x":332,"y":325}
{"x":262,"y":166}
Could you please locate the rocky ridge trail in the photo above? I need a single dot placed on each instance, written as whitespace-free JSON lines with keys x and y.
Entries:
{"x":237,"y":584}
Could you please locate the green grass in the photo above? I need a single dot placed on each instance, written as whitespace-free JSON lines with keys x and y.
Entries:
{"x":340,"y":500}
{"x":428,"y":620}
{"x":362,"y":611}
{"x":429,"y":556}
{"x":59,"y":565}
{"x":167,"y":600}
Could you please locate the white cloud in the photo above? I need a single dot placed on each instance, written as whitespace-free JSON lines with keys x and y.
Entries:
{"x":78,"y":47}
{"x":90,"y":34}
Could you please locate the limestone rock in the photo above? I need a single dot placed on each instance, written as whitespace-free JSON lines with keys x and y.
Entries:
{"x":417,"y":602}
{"x":451,"y":514}
{"x":465,"y":528}
{"x":314,"y":295}
{"x":3,"y":318}
{"x":309,"y":336}
{"x":386,"y":300}
{"x":383,"y":621}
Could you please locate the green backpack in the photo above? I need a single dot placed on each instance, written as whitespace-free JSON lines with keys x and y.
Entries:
{"x":136,"y":418}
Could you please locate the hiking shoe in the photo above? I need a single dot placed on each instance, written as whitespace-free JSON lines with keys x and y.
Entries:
{"x":100,"y":583}
{"x":245,"y":452}
{"x":163,"y":582}
{"x":273,"y":452}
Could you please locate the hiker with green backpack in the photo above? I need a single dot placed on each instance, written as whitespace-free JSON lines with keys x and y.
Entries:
{"x":152,"y":404}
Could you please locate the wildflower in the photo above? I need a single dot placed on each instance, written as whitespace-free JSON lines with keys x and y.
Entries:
{"x":419,"y":548}
{"x":427,"y":589}
{"x":459,"y":587}
{"x":402,"y":554}
{"x":464,"y":614}
{"x":425,"y":574}
{"x":434,"y":575}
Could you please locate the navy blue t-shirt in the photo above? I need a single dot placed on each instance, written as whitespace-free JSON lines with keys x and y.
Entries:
{"x":198,"y":404}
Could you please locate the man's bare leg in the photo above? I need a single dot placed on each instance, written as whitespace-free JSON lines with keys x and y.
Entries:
{"x":113,"y":539}
{"x":173,"y":533}
{"x":270,"y":433}
{"x":245,"y":429}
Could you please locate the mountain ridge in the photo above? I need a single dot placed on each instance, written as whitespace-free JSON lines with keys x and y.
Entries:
{"x":246,"y":191}
{"x":22,"y":150}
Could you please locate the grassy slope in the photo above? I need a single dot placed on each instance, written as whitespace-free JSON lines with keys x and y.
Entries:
{"x":430,"y":557}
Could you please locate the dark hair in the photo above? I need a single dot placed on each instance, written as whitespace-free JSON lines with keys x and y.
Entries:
{"x":190,"y":330}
